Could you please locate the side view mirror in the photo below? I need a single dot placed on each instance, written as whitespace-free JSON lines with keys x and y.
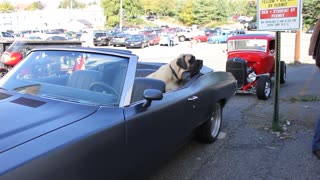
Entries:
{"x":151,"y":95}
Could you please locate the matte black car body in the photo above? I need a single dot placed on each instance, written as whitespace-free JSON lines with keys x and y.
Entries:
{"x":102,"y":38}
{"x":252,"y":26}
{"x":137,"y":41}
{"x":51,"y":129}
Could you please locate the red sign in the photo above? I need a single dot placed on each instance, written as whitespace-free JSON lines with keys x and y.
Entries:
{"x":279,"y":13}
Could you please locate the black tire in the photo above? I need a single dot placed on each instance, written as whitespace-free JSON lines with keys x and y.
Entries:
{"x":3,"y":72}
{"x":283,"y":72}
{"x":182,"y":38}
{"x":263,"y":88}
{"x":208,"y":132}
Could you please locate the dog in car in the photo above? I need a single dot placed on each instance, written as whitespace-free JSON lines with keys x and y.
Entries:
{"x":178,"y":71}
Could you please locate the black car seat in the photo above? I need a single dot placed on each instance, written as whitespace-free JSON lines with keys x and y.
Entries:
{"x":144,"y":72}
{"x":82,"y":79}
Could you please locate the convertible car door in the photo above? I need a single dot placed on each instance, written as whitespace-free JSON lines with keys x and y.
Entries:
{"x":156,"y":131}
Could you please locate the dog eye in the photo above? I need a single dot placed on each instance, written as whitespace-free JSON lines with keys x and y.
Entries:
{"x":191,"y":61}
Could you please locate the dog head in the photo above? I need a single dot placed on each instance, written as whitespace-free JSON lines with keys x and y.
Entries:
{"x":186,"y":66}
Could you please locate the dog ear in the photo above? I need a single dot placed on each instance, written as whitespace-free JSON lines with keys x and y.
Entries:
{"x":182,"y":63}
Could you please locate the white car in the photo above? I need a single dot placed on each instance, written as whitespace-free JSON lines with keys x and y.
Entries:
{"x":164,"y":39}
{"x":6,"y":36}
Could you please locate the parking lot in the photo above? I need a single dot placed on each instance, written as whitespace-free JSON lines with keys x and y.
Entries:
{"x":247,"y":148}
{"x":215,"y":55}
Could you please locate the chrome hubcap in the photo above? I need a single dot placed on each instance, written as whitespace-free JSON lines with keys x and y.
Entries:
{"x":216,"y":121}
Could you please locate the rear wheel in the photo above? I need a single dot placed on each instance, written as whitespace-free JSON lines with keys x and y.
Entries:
{"x":182,"y":38}
{"x":283,"y":72}
{"x":209,"y":131}
{"x":3,"y":72}
{"x":263,"y":88}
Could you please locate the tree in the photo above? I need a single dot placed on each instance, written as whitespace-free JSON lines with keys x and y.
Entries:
{"x":6,"y":7}
{"x":149,"y":6}
{"x":166,"y":7}
{"x":311,"y":12}
{"x":75,"y":4}
{"x":35,"y":5}
{"x":132,"y":9}
{"x":186,"y":15}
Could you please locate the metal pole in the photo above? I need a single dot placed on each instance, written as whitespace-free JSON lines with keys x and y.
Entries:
{"x":297,"y":47}
{"x":120,"y":26}
{"x":275,"y":122}
{"x":70,"y":10}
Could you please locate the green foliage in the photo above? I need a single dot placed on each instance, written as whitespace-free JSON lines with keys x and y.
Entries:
{"x":35,"y":5}
{"x":64,"y":4}
{"x":186,"y":14}
{"x":203,"y":11}
{"x":132,"y":9}
{"x":311,"y":12}
{"x":6,"y":7}
{"x":189,"y":12}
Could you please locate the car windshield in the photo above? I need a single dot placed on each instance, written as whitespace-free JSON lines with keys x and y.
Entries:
{"x":136,"y":38}
{"x":247,"y":44}
{"x":80,"y":77}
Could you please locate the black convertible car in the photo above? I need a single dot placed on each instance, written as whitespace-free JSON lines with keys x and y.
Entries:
{"x":90,"y":113}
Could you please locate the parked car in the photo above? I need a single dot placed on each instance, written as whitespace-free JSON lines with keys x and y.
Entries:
{"x":237,"y":32}
{"x":56,"y":37}
{"x":220,"y":37}
{"x":18,"y":49}
{"x":4,"y":45}
{"x":84,"y":114}
{"x":6,"y":36}
{"x":252,"y":26}
{"x":154,"y":39}
{"x":137,"y":41}
{"x":251,"y":59}
{"x":310,"y":30}
{"x":202,"y":38}
{"x":164,"y":39}
{"x":120,"y":39}
{"x":185,"y":34}
{"x":102,"y":38}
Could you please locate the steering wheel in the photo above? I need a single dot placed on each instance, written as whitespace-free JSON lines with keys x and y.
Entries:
{"x":102,"y":87}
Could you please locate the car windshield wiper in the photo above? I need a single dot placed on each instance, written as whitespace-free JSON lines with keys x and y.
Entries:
{"x":29,"y":89}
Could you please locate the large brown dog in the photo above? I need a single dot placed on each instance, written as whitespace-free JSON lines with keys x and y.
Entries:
{"x":178,"y":70}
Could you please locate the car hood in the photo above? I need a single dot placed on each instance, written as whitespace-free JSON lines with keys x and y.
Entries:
{"x":26,"y":117}
{"x":250,"y":56}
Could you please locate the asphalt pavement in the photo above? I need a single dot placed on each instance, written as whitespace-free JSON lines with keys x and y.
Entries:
{"x":248,"y":148}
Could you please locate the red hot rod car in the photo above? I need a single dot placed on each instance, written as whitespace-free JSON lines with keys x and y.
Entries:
{"x":251,"y":60}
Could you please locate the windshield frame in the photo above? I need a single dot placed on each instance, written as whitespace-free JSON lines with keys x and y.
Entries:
{"x":128,"y":60}
{"x":247,"y":45}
